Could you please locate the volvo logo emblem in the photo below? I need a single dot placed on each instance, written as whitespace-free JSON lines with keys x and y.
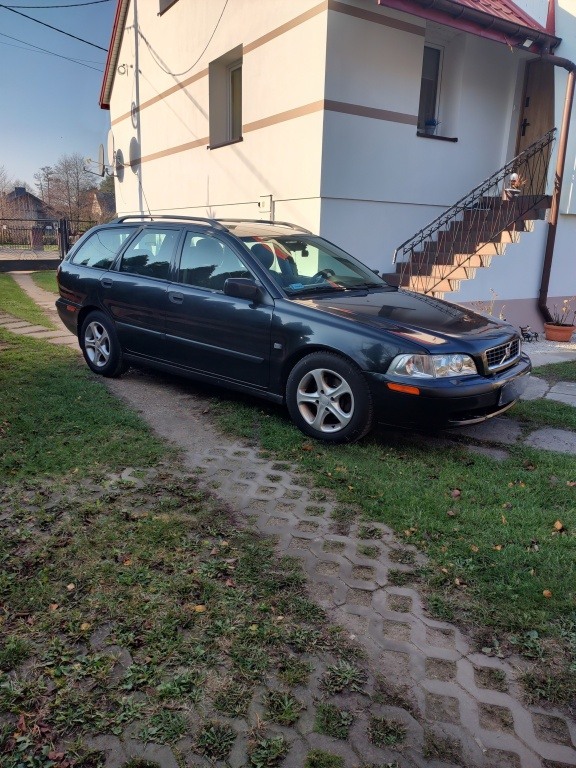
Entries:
{"x":507,"y":353}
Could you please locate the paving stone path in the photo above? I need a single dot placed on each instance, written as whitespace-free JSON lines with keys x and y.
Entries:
{"x":460,"y":698}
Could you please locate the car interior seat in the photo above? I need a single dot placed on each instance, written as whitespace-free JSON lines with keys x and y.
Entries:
{"x":264,"y":255}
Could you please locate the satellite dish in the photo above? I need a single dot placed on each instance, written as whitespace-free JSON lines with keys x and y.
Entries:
{"x":110,"y":149}
{"x":101,"y":168}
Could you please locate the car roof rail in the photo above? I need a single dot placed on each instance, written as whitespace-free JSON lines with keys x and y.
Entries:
{"x":166,"y":217}
{"x":267,"y":221}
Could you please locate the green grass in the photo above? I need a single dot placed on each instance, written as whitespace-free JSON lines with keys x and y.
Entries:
{"x":555,"y":372}
{"x":16,"y":302}
{"x":56,"y":417}
{"x":497,"y":560}
{"x":209,"y":620}
{"x":46,"y":280}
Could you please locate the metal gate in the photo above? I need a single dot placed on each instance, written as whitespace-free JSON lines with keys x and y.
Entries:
{"x":45,"y":237}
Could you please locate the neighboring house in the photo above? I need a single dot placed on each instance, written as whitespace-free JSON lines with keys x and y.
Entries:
{"x":100,"y":205}
{"x":23,"y":204}
{"x":318,"y":112}
{"x":27,"y":220}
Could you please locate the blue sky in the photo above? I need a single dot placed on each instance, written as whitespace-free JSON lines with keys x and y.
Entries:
{"x":48,"y":105}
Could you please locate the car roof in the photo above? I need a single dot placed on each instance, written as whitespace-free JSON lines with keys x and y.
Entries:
{"x":237,"y":227}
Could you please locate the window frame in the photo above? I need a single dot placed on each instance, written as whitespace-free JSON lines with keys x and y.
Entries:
{"x":225,"y":116}
{"x":438,"y":85}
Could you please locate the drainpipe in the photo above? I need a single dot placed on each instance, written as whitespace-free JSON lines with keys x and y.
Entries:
{"x":558,"y":178}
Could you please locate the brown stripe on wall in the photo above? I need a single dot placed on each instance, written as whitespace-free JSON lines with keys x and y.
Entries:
{"x":376,"y":18}
{"x":171,"y":151}
{"x":376,"y":114}
{"x":164,"y":94}
{"x":281,"y":30}
{"x":281,"y":117}
{"x":316,"y":106}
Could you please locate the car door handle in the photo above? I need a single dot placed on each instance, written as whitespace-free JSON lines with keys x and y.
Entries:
{"x":175,"y":298}
{"x":106,"y":282}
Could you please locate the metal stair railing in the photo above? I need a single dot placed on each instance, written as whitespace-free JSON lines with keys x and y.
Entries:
{"x":489,"y":215}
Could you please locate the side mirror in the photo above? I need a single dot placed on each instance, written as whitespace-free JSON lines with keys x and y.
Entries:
{"x":242,"y":288}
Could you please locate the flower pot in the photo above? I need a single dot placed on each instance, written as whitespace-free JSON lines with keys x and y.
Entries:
{"x":558,"y":332}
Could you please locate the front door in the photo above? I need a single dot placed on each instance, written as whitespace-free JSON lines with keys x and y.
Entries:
{"x":208,"y":331}
{"x":536,"y":119}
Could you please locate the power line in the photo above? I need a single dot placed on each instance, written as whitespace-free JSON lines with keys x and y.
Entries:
{"x":44,"y":50}
{"x":49,"y":7}
{"x":160,"y":64}
{"x":68,"y":34}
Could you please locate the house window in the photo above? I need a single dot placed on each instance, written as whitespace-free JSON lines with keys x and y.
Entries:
{"x":430,"y":85}
{"x":235,"y":101}
{"x":225,"y":98}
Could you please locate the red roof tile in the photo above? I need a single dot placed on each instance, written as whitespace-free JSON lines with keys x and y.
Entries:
{"x":503,"y":9}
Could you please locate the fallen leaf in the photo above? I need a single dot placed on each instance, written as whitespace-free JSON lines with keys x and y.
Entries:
{"x":307,"y":447}
{"x":53,"y":606}
{"x":504,"y":521}
{"x":474,"y":548}
{"x":571,"y":483}
{"x":451,"y":513}
{"x":497,"y":547}
{"x":547,"y":593}
{"x":558,"y":526}
{"x":85,"y":626}
{"x":456,"y":493}
{"x":199,"y":608}
{"x":507,"y":505}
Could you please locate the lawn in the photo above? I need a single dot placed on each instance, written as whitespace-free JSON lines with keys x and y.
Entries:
{"x":46,"y":279}
{"x":500,"y":536}
{"x":17,"y":303}
{"x":132,"y":599}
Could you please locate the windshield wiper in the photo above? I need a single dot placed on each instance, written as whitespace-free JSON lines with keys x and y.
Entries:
{"x":368,"y":285}
{"x":315,"y":288}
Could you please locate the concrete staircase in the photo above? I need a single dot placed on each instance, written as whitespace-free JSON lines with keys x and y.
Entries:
{"x":469,"y":243}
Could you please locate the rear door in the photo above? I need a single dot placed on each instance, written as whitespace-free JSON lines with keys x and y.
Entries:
{"x":134,"y":292}
{"x":209,"y":332}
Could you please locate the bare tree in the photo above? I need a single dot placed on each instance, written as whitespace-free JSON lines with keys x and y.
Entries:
{"x":69,"y":184}
{"x":6,"y":185}
{"x":43,"y":179}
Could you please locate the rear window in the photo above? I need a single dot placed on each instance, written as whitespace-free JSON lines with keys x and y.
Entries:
{"x":101,"y":248}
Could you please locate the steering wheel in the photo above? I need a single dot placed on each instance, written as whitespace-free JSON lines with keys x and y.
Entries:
{"x":323,"y":273}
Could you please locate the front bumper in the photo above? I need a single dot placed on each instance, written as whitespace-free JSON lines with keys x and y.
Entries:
{"x":449,"y":402}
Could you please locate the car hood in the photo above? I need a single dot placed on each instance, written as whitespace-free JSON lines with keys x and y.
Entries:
{"x":420,"y":318}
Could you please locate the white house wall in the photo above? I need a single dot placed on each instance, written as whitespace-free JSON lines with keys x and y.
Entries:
{"x":283,"y":86}
{"x":377,"y":172}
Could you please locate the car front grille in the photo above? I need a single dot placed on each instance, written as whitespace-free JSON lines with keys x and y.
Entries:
{"x":503,"y":355}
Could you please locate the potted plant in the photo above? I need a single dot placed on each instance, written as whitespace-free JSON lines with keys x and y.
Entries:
{"x":430,"y":125}
{"x":561,"y":327}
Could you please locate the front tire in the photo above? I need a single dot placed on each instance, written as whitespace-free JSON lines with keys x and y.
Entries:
{"x":100,"y":346}
{"x":328,"y":398}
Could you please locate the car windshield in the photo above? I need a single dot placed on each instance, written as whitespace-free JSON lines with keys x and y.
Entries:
{"x":303,"y":264}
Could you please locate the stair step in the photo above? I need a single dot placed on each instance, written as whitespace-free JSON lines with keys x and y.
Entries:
{"x":449,"y":257}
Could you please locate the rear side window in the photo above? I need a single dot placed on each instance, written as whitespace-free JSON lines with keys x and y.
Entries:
{"x":101,"y":248}
{"x":151,"y":253}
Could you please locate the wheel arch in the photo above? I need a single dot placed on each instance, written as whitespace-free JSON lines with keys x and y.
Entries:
{"x":302,"y":352}
{"x":83,"y":314}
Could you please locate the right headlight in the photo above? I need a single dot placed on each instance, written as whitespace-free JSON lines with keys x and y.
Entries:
{"x":432,"y":366}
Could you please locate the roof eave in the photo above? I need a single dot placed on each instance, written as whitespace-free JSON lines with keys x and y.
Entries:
{"x":113,"y":52}
{"x":459,"y":16}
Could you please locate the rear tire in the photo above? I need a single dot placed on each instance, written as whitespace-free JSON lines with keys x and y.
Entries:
{"x":328,"y":398}
{"x":100,"y":346}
